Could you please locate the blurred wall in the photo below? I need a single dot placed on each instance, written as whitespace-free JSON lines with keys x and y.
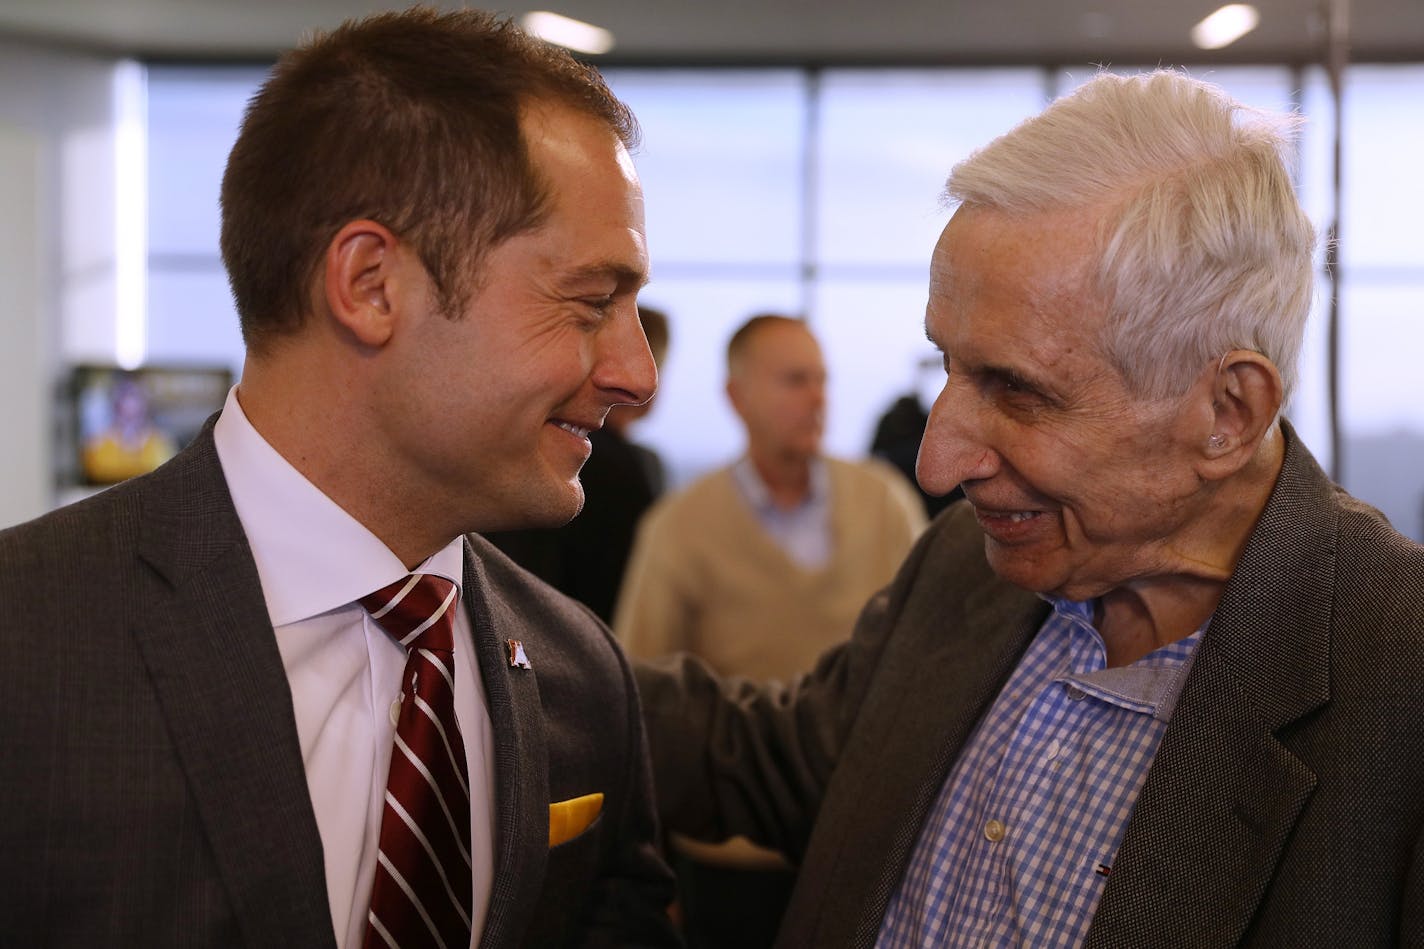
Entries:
{"x":57,"y":240}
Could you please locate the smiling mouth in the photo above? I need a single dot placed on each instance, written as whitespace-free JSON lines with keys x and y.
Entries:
{"x":1006,"y":525}
{"x":573,"y":429}
{"x":1015,"y":517}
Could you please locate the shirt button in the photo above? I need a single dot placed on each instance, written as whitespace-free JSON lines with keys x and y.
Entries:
{"x":395,"y":710}
{"x":1076,"y":694}
{"x":1053,"y":749}
{"x":994,"y":831}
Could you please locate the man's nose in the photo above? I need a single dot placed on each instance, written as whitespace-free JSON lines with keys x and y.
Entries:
{"x":624,"y":364}
{"x":954,"y":449}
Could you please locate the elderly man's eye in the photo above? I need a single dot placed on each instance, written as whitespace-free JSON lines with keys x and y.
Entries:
{"x":1005,"y":382}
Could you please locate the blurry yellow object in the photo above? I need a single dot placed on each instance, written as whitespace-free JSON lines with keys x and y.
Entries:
{"x":107,"y":458}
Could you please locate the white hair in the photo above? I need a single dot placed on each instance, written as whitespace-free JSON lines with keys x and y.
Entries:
{"x":1203,"y":246}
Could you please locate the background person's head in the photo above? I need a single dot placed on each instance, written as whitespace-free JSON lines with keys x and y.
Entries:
{"x":776,"y":380}
{"x":412,"y":120}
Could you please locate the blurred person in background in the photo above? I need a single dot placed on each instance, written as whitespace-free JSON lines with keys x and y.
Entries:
{"x":901,"y":428}
{"x":758,"y":568}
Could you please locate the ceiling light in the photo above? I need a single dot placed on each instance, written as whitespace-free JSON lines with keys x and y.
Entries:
{"x":575,"y":34}
{"x":1225,"y":26}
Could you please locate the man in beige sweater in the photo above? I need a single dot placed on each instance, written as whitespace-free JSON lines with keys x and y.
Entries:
{"x":761,"y":566}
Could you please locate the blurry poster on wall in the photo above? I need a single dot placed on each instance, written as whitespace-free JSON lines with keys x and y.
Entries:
{"x":130,"y":421}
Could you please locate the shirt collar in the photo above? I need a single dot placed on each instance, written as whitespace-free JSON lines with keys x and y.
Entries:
{"x":1150,"y":685}
{"x":758,"y":495}
{"x":312,"y":557}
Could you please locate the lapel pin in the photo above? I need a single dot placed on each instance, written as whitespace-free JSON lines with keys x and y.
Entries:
{"x":517,"y":659}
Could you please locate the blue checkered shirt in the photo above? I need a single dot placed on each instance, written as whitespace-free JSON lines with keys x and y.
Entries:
{"x":1017,"y":849}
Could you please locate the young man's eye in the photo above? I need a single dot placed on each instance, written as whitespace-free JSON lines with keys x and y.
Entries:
{"x":598,"y":306}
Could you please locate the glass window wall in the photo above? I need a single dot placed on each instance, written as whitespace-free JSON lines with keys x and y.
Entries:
{"x":818,"y":192}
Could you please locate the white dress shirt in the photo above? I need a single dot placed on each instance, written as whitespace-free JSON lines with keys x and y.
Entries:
{"x":315,"y":561}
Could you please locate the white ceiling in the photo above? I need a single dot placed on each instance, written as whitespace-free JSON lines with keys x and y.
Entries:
{"x":730,"y":31}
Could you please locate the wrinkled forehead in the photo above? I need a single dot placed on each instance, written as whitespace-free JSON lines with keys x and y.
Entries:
{"x":1031,"y":276}
{"x":1045,"y":253}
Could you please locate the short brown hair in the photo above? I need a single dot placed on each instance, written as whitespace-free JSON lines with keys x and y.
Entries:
{"x":409,"y":119}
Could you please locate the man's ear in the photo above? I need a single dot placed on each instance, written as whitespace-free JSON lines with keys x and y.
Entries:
{"x":356,"y":280}
{"x":1246,"y":398}
{"x":734,"y":396}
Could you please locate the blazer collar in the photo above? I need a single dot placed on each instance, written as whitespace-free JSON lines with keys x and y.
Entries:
{"x":521,"y":768}
{"x":218,"y":676}
{"x":956,"y":637}
{"x":1223,"y":793}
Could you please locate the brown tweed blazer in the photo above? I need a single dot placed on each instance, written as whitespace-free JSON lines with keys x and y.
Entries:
{"x":1285,"y":806}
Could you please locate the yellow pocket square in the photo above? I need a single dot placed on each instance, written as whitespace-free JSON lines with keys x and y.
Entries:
{"x":568,"y":819}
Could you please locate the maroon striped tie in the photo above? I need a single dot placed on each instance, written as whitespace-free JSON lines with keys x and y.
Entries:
{"x":423,"y":888}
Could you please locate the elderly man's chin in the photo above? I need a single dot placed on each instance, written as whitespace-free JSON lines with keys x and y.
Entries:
{"x":1011,"y":567}
{"x":1059,"y":571}
{"x":1033,"y":568}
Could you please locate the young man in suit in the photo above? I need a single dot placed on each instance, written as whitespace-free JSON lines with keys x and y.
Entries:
{"x":435,"y":240}
{"x":1157,"y":683}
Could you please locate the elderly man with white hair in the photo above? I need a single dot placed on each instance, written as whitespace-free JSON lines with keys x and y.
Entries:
{"x":1157,"y":681}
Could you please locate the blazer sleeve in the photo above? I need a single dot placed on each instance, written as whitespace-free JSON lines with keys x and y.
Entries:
{"x":1411,"y":922}
{"x":632,"y":894}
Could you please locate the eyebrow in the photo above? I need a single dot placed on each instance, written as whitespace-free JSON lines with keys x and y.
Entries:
{"x":620,"y":274}
{"x":1009,"y":374}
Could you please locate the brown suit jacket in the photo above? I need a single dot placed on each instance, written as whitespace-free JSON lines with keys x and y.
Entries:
{"x":152,"y":791}
{"x":1285,"y":806}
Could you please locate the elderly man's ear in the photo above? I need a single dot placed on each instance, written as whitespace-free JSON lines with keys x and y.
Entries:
{"x":1246,"y":393}
{"x":360,"y":276}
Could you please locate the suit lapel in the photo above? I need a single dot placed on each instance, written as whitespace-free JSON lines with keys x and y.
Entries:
{"x":1224,"y":793}
{"x":521,"y":769}
{"x":933,"y":686}
{"x":213,"y":660}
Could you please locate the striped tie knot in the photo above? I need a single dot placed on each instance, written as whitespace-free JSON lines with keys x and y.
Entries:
{"x":417,"y":611}
{"x":423,"y":887}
